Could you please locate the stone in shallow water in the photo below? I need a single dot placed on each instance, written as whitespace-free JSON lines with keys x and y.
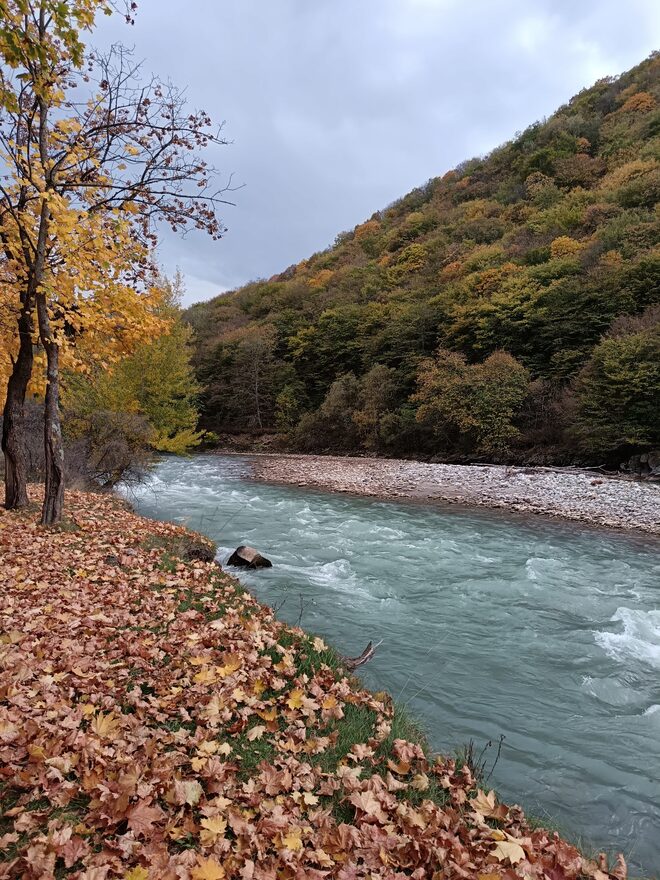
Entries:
{"x":248,"y":557}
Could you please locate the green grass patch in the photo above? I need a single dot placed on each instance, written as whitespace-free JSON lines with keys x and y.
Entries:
{"x":357,"y":726}
{"x":184,"y":548}
{"x":251,"y":754}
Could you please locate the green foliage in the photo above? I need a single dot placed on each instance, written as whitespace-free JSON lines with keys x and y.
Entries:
{"x":619,"y":390}
{"x":534,"y":251}
{"x":471,"y":406}
{"x":157,"y":382}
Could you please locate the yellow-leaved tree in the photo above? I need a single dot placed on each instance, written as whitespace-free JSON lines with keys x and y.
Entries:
{"x":95,"y":157}
{"x":156,"y":381}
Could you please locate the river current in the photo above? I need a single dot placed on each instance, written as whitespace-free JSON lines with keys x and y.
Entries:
{"x":547,"y":633}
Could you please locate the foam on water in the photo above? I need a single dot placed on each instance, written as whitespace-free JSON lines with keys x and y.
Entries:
{"x":640,"y":639}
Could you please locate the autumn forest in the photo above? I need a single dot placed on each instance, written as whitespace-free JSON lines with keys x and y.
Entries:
{"x":507,"y":311}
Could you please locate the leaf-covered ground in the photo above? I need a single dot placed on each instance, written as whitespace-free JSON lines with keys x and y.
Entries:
{"x":156,"y":721}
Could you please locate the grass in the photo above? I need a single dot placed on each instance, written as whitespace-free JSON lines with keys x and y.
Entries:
{"x":357,"y":726}
{"x":187,"y":547}
{"x":251,"y":754}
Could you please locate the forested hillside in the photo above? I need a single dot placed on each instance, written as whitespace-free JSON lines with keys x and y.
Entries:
{"x":509,"y":309}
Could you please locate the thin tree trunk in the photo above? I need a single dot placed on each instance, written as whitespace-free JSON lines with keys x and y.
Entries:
{"x":51,"y":512}
{"x":13,"y":422}
{"x":256,"y":395}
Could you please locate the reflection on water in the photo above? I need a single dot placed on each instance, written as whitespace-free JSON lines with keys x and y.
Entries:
{"x":546,"y":633}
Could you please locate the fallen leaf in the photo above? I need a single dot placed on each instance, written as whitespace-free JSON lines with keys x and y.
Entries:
{"x":208,"y":869}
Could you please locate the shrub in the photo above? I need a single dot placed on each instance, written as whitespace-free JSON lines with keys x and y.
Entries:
{"x":471,"y":407}
{"x":619,"y":393}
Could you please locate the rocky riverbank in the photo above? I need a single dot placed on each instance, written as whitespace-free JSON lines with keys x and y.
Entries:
{"x":574,"y":495}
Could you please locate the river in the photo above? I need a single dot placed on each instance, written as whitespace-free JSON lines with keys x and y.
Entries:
{"x":547,"y":633}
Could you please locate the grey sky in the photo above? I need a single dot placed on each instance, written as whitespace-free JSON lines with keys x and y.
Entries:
{"x":337,"y":107}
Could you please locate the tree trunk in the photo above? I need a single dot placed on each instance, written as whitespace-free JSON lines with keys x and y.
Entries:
{"x":51,"y":512}
{"x":13,"y":423}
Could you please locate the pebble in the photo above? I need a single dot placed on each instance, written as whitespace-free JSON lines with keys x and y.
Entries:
{"x":617,"y":502}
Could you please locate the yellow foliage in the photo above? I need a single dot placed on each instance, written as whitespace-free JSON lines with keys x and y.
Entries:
{"x":628,"y":172}
{"x":321,"y":278}
{"x":490,"y":280}
{"x":97,"y":311}
{"x":611,"y":258}
{"x":564,"y":246}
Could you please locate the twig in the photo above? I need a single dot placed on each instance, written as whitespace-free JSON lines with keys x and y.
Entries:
{"x":352,"y":663}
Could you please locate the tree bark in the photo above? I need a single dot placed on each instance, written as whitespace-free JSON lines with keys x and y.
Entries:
{"x":51,"y":512}
{"x":13,"y":422}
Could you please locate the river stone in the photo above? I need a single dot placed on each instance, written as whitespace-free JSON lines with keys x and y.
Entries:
{"x":248,"y":557}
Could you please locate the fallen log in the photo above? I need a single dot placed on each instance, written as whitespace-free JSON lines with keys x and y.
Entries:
{"x":352,"y":663}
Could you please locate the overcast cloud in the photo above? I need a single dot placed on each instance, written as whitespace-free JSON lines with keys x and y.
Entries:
{"x":337,"y":107}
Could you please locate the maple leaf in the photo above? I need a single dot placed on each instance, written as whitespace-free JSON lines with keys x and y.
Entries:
{"x":187,"y":791}
{"x":142,"y":816}
{"x":213,"y":828}
{"x":484,"y":804}
{"x":208,"y":869}
{"x":232,"y":664}
{"x":256,"y":732}
{"x":507,"y":847}
{"x":295,"y":700}
{"x":105,"y":726}
{"x":420,"y":782}
{"x":401,"y":768}
{"x":206,"y":675}
{"x":268,"y":714}
{"x":137,"y":873}
{"x":369,"y":804}
{"x":293,"y":840}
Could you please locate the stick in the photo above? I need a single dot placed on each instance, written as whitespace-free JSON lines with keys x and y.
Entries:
{"x":352,"y":663}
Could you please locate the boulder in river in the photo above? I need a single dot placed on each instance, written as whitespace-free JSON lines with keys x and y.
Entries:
{"x":248,"y":557}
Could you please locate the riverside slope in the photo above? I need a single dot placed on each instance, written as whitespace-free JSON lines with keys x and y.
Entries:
{"x":581,"y":496}
{"x":156,"y":721}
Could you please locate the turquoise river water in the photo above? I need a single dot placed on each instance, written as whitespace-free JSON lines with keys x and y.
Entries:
{"x":545,"y":632}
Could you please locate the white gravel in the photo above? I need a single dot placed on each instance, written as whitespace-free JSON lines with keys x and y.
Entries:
{"x":574,"y":495}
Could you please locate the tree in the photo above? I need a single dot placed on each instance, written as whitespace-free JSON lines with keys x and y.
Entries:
{"x":332,"y":425}
{"x":156,"y":381}
{"x":471,"y":407}
{"x":112,"y":164}
{"x":379,"y":396}
{"x":619,"y":390}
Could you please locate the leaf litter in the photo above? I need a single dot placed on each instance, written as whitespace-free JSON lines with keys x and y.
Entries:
{"x":156,"y":721}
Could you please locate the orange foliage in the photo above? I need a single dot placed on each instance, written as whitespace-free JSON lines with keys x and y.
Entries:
{"x":371,"y":227}
{"x":321,"y":278}
{"x":640,"y":102}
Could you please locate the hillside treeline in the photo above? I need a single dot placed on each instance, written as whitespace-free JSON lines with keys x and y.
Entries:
{"x":509,"y":309}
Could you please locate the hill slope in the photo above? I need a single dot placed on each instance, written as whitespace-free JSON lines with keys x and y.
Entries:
{"x":508,"y":309}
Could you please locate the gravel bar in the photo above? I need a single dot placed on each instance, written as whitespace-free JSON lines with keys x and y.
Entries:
{"x":584,"y":496}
